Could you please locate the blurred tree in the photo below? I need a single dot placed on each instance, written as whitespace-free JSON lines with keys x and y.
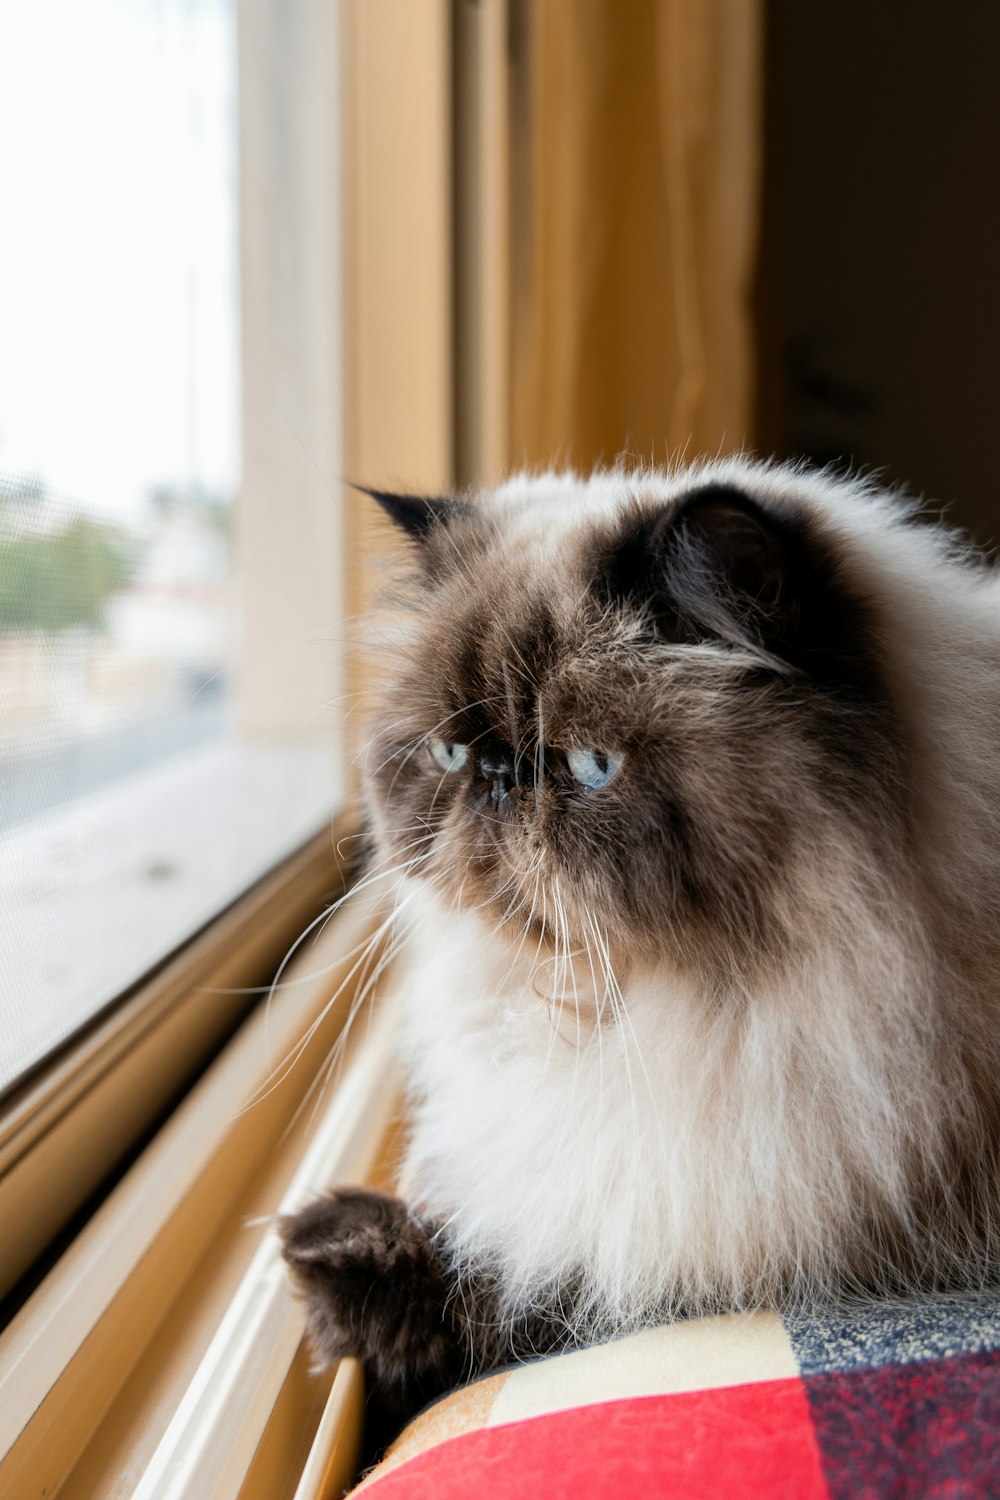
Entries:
{"x":53,"y":580}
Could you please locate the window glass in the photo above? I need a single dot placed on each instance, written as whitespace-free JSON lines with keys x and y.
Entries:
{"x":130,"y":810}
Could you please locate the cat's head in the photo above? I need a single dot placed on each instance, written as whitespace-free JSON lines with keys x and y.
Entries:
{"x":622,"y":708}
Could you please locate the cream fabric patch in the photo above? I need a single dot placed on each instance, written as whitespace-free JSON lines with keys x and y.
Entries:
{"x":701,"y":1354}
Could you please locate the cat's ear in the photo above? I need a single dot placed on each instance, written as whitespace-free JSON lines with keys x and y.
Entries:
{"x":419,"y":516}
{"x":716,"y":564}
{"x":713,"y":561}
{"x":721,"y":532}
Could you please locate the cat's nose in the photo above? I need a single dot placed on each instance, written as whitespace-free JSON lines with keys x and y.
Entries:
{"x":498,"y":770}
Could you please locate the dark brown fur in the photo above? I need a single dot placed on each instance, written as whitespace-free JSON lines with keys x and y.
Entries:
{"x":376,"y":1286}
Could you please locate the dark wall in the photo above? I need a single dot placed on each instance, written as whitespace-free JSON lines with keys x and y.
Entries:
{"x":880,"y":278}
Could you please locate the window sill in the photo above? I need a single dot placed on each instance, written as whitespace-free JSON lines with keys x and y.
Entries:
{"x":160,"y":1353}
{"x":66,"y":1128}
{"x":95,"y":893}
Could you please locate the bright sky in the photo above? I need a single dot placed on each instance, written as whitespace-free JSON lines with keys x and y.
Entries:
{"x":118,"y":251}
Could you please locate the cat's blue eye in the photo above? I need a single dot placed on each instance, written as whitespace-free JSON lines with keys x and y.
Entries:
{"x":447,"y":756}
{"x":594,"y":768}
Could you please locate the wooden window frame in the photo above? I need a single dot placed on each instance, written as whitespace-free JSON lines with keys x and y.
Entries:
{"x":67,"y":1127}
{"x":174,"y":1285}
{"x":163,"y":1353}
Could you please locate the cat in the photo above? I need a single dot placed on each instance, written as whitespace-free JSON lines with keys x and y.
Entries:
{"x":689,"y":784}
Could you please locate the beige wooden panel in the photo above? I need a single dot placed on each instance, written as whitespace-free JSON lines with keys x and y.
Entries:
{"x":635,"y":167}
{"x":482,"y":189}
{"x":398,"y":264}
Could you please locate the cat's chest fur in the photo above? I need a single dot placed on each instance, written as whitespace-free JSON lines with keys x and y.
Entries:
{"x":683,"y":1146}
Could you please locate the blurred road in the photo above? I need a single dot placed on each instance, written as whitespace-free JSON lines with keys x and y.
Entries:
{"x":34,"y":778}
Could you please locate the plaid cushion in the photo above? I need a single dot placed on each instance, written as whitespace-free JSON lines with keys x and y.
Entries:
{"x":888,"y":1399}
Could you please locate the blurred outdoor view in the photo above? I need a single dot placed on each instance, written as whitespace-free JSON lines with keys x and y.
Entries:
{"x":119,"y":399}
{"x":129,"y":812}
{"x":112,"y":642}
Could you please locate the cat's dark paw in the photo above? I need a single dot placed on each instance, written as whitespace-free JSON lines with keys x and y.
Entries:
{"x":373,"y":1288}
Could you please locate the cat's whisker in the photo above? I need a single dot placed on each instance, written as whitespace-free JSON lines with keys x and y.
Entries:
{"x":598,"y":1026}
{"x":539,"y":758}
{"x":558,"y":979}
{"x":576,"y":996}
{"x":527,"y":676}
{"x":514,"y":908}
{"x":543,"y":929}
{"x":281,"y":1071}
{"x":393,"y":872}
{"x":624,"y":1016}
{"x":383,"y":954}
{"x":385,"y":946}
{"x":615,"y":1000}
{"x":309,"y":977}
{"x":515,"y":738}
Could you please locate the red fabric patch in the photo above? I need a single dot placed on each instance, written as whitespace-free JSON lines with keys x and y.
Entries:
{"x":928,"y":1429}
{"x":742,"y":1442}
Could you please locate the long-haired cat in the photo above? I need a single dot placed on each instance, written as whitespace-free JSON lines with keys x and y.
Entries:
{"x":692,"y":784}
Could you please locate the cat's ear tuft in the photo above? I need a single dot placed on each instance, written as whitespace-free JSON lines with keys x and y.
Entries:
{"x":419,"y":516}
{"x":713,"y":562}
{"x":739,"y":545}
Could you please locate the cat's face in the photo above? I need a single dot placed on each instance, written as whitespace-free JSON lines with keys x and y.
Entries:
{"x":622,"y":709}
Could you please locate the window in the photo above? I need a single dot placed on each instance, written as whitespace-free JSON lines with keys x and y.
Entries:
{"x":140,"y":793}
{"x":100,"y":1367}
